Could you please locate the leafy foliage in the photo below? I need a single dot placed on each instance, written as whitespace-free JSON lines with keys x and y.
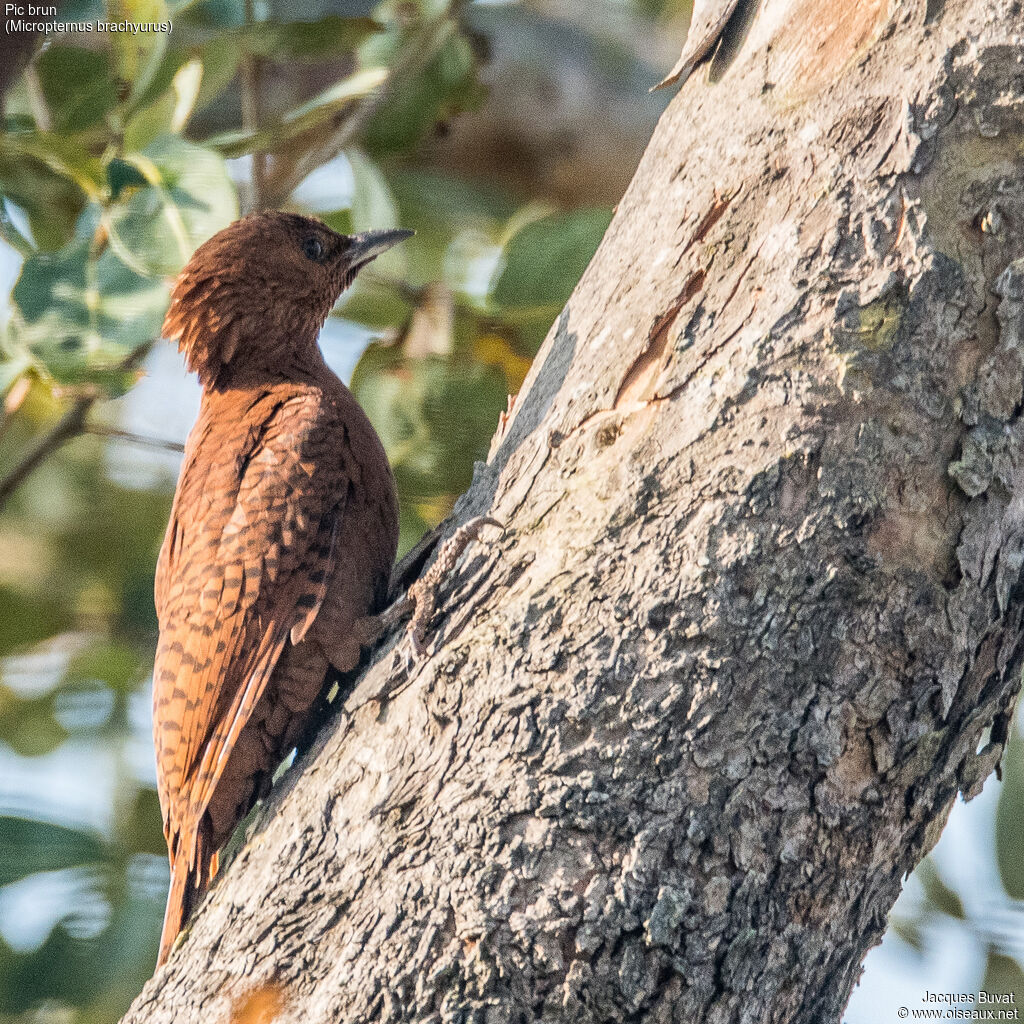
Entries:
{"x":116,"y":161}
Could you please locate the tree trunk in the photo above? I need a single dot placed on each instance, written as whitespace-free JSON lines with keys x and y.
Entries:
{"x":686,"y":727}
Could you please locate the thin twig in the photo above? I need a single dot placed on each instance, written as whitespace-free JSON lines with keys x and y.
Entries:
{"x":101,"y":430}
{"x":70,"y":425}
{"x":410,"y":292}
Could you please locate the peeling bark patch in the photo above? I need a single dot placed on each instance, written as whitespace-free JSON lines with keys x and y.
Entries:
{"x":817,"y":43}
{"x":714,"y":214}
{"x":641,"y":379}
{"x":262,"y":1006}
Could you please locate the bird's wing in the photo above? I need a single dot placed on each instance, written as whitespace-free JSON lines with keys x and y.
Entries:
{"x":706,"y":26}
{"x":244,"y":568}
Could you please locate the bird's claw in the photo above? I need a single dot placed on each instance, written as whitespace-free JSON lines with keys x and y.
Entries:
{"x":424,"y":592}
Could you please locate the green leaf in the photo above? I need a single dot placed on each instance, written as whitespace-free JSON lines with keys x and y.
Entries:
{"x":458,"y":230}
{"x":1003,"y":975}
{"x":303,"y":118}
{"x":169,"y":112}
{"x":439,"y":202}
{"x":138,"y":54}
{"x":86,"y":308}
{"x":51,"y":202}
{"x":374,"y":304}
{"x":77,"y":85}
{"x":11,"y":235}
{"x":189,"y":196}
{"x":338,"y":220}
{"x":940,"y":896}
{"x":121,"y":175}
{"x":544,"y":260}
{"x":49,"y":280}
{"x":63,"y":156}
{"x":334,"y":98}
{"x":417,"y":103}
{"x":1010,"y":821}
{"x":288,"y":42}
{"x":149,"y":122}
{"x":434,"y":415}
{"x":220,"y":57}
{"x":83,"y":313}
{"x":28,"y":846}
{"x":373,"y":205}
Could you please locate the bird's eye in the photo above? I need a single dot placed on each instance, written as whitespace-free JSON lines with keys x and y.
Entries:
{"x":313,"y":248}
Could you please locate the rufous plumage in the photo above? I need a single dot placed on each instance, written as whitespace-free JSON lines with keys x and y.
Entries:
{"x":282,"y":534}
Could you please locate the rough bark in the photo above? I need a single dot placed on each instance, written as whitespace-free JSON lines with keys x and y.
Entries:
{"x":687,"y":726}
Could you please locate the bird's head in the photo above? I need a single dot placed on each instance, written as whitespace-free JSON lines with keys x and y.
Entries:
{"x":256,"y":294}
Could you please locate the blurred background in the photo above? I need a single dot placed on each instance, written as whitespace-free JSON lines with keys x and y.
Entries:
{"x":504,"y":133}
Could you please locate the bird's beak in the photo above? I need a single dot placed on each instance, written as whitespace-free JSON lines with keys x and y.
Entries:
{"x":370,"y":244}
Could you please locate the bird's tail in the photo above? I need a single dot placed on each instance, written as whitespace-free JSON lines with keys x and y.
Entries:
{"x":188,"y":887}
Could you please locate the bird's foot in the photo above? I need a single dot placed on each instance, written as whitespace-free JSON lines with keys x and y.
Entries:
{"x":419,"y":602}
{"x":421,"y":598}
